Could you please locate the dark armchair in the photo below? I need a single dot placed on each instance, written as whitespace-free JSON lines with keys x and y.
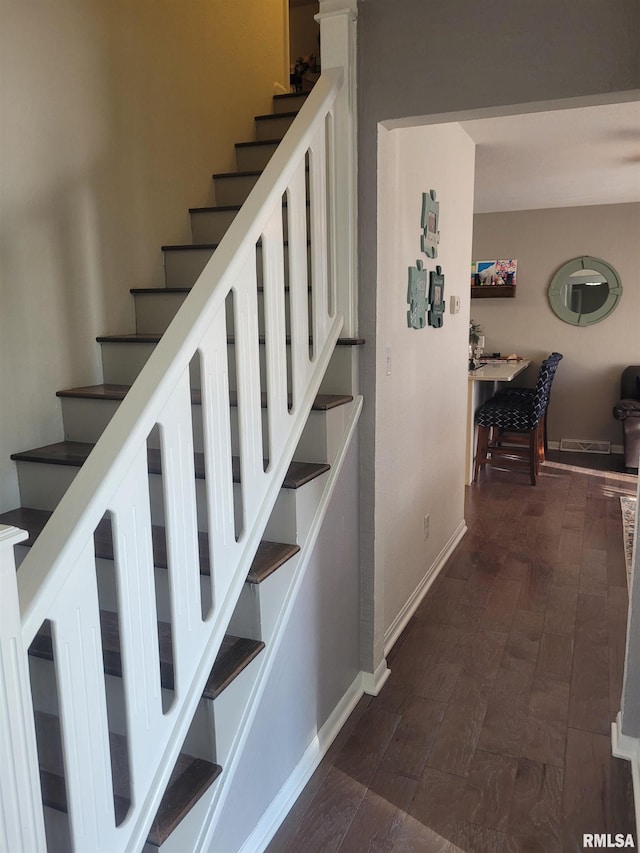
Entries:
{"x":627,"y":410}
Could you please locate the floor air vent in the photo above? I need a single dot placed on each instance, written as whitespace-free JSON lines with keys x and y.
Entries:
{"x":577,"y":445}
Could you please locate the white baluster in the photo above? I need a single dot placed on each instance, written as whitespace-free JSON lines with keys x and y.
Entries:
{"x":179,"y":487}
{"x":318,"y":193}
{"x":298,"y":282}
{"x":216,"y":427}
{"x":21,"y":820}
{"x":247,"y":352}
{"x":138,"y":619}
{"x":275,"y":331}
{"x":77,"y":644}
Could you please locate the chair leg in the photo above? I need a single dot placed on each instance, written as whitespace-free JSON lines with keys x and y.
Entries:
{"x":481,"y":450}
{"x":533,"y":455}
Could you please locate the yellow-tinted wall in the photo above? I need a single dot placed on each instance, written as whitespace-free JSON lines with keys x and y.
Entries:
{"x":113,"y":116}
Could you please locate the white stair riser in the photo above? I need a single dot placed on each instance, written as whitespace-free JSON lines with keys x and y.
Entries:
{"x":154,"y":311}
{"x":288,"y":105}
{"x":274,"y":127}
{"x":121,"y":363}
{"x":210,"y":226}
{"x":182,"y":267}
{"x":43,"y":485}
{"x":250,"y":158}
{"x":233,"y":190}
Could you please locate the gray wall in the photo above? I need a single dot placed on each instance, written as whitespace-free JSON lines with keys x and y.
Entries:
{"x":420,"y":59}
{"x":588,"y":381}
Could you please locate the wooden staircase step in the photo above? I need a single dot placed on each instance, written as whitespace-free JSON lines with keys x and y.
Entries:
{"x":74,"y":454}
{"x":190,"y":779}
{"x":269,"y":556}
{"x":235,"y":654}
{"x":322,"y":402}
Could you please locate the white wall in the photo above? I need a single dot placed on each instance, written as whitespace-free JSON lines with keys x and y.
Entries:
{"x":421,"y":406}
{"x":588,"y":380}
{"x":303,"y":30}
{"x":113,"y":116}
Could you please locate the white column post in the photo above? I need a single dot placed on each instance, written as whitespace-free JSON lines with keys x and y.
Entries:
{"x":21,"y":817}
{"x":337,"y":20}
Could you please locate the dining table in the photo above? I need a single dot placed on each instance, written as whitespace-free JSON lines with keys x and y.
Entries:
{"x":484,"y":381}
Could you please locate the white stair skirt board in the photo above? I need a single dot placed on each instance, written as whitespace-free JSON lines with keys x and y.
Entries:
{"x":218,"y":794}
{"x":315,"y":752}
{"x":397,"y":626}
{"x":628,"y":748}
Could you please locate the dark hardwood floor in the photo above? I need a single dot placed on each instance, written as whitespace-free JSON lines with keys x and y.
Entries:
{"x":492,"y":734}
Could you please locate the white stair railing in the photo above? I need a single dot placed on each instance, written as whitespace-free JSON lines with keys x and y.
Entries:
{"x":57,"y":580}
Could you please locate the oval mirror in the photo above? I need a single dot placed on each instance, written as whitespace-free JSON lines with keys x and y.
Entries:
{"x":584,"y":291}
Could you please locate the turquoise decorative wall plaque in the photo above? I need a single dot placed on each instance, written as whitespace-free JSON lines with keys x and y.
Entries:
{"x":430,"y":216}
{"x":417,"y":296}
{"x":436,"y":298}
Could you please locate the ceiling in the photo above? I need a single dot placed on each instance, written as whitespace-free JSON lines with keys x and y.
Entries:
{"x":561,"y":158}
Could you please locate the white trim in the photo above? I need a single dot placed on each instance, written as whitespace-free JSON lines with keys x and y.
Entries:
{"x":313,"y":755}
{"x":399,"y":623}
{"x":628,"y":748}
{"x":373,"y":682}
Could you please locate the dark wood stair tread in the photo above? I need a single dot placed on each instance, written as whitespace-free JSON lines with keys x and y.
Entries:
{"x":74,"y":453}
{"x":286,"y":95}
{"x":322,"y":402}
{"x":224,"y":208}
{"x":267,"y":116}
{"x":190,"y":779}
{"x":148,"y":338}
{"x":235,"y":654}
{"x":198,"y":247}
{"x":269,"y":556}
{"x":247,"y":173}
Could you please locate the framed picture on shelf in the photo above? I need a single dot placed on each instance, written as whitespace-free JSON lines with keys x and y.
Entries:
{"x":494,"y":278}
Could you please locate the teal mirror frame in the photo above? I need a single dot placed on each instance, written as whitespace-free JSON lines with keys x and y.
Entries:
{"x":559,"y":281}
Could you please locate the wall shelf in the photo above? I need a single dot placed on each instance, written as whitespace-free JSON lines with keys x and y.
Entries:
{"x":493,"y":291}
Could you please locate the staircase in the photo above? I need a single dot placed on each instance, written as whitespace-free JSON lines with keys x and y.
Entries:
{"x":164,"y":533}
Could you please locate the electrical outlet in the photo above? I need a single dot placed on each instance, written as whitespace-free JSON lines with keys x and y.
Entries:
{"x":426,"y":526}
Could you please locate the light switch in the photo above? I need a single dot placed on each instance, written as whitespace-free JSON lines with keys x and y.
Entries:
{"x":455,"y":305}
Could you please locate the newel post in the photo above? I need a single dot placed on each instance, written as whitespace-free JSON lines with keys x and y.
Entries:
{"x":21,"y":818}
{"x":337,"y":20}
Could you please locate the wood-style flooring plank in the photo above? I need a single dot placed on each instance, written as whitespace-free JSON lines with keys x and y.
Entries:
{"x":589,"y":696}
{"x":587,"y":775}
{"x":535,"y":814}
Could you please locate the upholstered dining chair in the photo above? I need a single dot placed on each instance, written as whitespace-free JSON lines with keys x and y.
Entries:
{"x":511,"y":424}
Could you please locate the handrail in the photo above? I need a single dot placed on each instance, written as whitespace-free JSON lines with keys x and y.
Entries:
{"x":57,"y":580}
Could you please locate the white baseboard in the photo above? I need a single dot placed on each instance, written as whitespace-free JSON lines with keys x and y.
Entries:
{"x":373,"y":682}
{"x":291,"y":790}
{"x":623,"y":746}
{"x":399,"y":623}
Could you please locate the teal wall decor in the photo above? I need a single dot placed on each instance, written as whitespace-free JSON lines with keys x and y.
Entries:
{"x":430,"y":216}
{"x":436,"y":298}
{"x":417,"y":296}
